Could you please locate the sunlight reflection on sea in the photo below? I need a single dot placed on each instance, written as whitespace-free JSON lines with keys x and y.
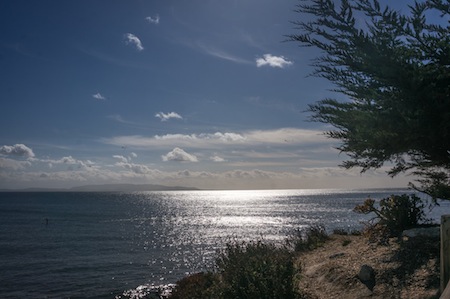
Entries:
{"x":105,"y":243}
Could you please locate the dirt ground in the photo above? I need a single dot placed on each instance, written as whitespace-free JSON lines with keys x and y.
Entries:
{"x":406,"y":268}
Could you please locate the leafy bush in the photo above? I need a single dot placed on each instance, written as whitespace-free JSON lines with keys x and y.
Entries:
{"x":340,"y":231}
{"x":256,"y":270}
{"x":346,"y":242}
{"x":308,"y":239}
{"x":197,"y":286}
{"x":396,"y":213}
{"x":346,"y":232}
{"x":253,"y":270}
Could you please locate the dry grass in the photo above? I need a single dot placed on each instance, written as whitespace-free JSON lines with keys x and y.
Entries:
{"x":404,"y":268}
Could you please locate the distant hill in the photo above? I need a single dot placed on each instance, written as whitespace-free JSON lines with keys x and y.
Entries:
{"x":128,"y":187}
{"x":105,"y":188}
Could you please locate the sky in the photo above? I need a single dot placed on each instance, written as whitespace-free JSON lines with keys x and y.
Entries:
{"x":199,"y":93}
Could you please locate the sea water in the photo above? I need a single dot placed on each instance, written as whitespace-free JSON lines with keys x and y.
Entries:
{"x":97,"y":245}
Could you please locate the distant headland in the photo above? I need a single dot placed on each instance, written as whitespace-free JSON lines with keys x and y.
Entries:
{"x":105,"y":188}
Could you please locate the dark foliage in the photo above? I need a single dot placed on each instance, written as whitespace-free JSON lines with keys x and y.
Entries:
{"x":308,"y":238}
{"x":256,"y":270}
{"x":395,"y":71}
{"x":197,"y":286}
{"x":245,"y":270}
{"x":395,"y":213}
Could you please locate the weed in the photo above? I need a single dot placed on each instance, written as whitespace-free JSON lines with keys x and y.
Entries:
{"x":308,"y":239}
{"x":346,"y":242}
{"x":256,"y":270}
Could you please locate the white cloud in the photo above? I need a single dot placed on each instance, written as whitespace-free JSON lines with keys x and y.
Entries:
{"x":281,"y":137}
{"x":216,"y":158}
{"x":225,"y":137}
{"x":167,"y":116}
{"x":15,"y":174}
{"x":273,"y":61}
{"x":68,"y":160}
{"x":13,"y":164}
{"x":136,"y":168}
{"x":134,"y":40}
{"x":286,"y":136}
{"x":179,"y":155}
{"x":121,"y":158}
{"x":134,"y":155}
{"x":18,"y":150}
{"x":99,"y":96}
{"x":153,"y":20}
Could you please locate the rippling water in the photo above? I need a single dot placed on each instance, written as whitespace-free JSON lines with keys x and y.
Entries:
{"x":96,"y":245}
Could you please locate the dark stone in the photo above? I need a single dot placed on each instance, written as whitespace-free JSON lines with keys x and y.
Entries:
{"x":336,"y":255}
{"x":367,"y":276}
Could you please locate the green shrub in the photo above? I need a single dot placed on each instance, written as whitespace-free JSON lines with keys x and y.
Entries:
{"x":355,"y":232}
{"x":346,"y":232}
{"x":256,"y":270}
{"x":346,"y":242}
{"x":340,"y":231}
{"x":308,"y":238}
{"x":202,"y":285}
{"x":396,"y":213}
{"x":253,"y":270}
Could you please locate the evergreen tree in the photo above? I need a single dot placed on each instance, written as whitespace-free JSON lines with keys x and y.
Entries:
{"x":394,"y":69}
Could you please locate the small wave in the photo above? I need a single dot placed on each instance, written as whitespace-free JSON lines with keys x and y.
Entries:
{"x":148,"y":292}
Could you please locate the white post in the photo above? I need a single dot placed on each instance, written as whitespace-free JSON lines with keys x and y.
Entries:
{"x":445,"y":252}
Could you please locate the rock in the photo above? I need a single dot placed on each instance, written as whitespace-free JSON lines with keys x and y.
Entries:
{"x":337,"y":255}
{"x":367,"y":276}
{"x":431,"y":232}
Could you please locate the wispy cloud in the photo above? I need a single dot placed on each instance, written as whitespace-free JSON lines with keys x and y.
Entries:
{"x":167,"y":116}
{"x":118,"y":118}
{"x":219,"y":53}
{"x":272,"y":61}
{"x":133,"y":40}
{"x":154,"y":19}
{"x":111,"y":59}
{"x":282,"y":137}
{"x":99,"y":96}
{"x":17,"y":150}
{"x":179,"y":155}
{"x":274,"y":103}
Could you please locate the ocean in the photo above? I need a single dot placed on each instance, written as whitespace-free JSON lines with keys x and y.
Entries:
{"x":98,"y":245}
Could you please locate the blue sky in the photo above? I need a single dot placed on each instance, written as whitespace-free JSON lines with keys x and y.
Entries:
{"x":195,"y":93}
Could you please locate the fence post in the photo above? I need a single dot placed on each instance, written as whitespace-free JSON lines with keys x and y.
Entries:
{"x":445,"y":251}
